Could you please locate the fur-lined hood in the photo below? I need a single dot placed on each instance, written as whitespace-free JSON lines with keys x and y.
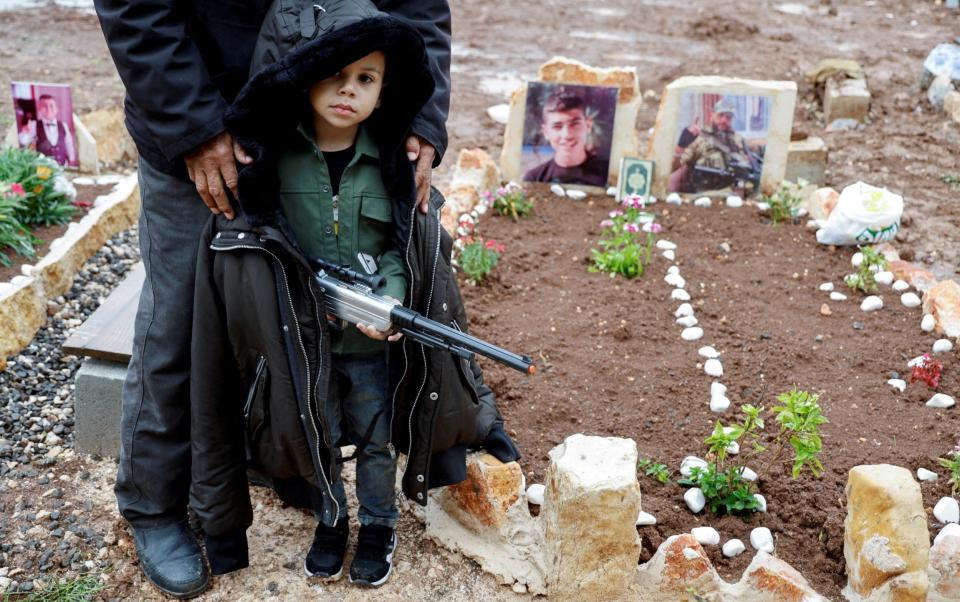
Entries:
{"x":271,"y":106}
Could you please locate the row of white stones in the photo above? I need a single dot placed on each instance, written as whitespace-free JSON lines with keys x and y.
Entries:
{"x":910,"y":300}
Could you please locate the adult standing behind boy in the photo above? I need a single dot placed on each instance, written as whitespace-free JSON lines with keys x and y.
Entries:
{"x":182,"y":64}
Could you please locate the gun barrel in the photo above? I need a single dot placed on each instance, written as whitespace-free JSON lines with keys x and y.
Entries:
{"x":410,"y":320}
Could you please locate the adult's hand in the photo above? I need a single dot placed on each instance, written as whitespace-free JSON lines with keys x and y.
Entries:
{"x":212,"y":168}
{"x":423,"y":153}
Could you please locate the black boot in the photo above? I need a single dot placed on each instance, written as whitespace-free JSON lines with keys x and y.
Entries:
{"x":171,"y":559}
{"x":374,"y":559}
{"x":325,"y":558}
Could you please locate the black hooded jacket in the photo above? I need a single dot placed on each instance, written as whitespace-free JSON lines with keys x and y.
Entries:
{"x":261,"y":346}
{"x":182,"y":63}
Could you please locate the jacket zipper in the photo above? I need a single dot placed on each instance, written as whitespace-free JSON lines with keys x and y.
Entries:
{"x":423,"y":354}
{"x":306,"y":361}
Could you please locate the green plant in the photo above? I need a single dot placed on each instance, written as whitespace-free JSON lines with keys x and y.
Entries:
{"x":865,"y":279}
{"x":43,"y":204}
{"x":654,"y":470}
{"x":627,"y":240}
{"x":785,"y":202}
{"x":13,"y":235}
{"x":952,"y":179}
{"x":952,"y":463}
{"x":724,"y":487}
{"x":478,"y":257}
{"x":510,"y":200}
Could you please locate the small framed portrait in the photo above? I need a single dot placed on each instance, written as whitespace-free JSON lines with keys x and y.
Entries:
{"x":568,"y":133}
{"x":717,"y":136}
{"x":636,"y":177}
{"x":43,"y":115}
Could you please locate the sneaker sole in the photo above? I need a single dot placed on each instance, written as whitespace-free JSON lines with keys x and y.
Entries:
{"x":383,"y":579}
{"x":329,"y":578}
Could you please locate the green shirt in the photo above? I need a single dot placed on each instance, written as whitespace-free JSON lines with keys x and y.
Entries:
{"x":358,"y":222}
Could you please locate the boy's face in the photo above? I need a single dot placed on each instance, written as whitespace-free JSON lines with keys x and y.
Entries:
{"x":349,"y":97}
{"x":567,"y":131}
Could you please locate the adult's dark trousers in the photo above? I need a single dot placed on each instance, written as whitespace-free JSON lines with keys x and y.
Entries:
{"x":153,"y":479}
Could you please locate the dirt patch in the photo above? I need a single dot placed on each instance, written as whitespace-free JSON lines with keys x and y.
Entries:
{"x":47,"y":234}
{"x":612,"y":363}
{"x":717,"y":26}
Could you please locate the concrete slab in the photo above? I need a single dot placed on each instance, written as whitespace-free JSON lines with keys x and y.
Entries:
{"x":97,"y":407}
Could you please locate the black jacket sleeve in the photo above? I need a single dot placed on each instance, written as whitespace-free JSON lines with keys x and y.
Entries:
{"x":165,"y":76}
{"x":219,"y":493}
{"x":431,"y":18}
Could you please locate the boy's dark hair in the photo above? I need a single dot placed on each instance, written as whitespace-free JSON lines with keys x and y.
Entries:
{"x":44,"y":97}
{"x":563,"y":100}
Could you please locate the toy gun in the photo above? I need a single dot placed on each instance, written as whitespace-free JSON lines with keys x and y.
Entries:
{"x":351,"y":296}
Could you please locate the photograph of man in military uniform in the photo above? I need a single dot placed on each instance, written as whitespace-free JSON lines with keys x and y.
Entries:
{"x":726,"y":152}
{"x":44,"y":120}
{"x":567,"y":133}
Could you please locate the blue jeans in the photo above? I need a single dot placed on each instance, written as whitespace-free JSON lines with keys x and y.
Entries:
{"x":357,"y":401}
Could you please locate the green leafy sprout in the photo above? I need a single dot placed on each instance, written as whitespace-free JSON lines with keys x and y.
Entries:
{"x":865,"y":278}
{"x":785,"y":202}
{"x":952,"y":463}
{"x":655,"y":470}
{"x":799,"y":419}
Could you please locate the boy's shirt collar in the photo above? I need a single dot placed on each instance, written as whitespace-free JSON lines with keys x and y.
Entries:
{"x":365,"y":144}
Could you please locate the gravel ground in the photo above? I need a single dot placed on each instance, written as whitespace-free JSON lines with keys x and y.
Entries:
{"x":42,"y":531}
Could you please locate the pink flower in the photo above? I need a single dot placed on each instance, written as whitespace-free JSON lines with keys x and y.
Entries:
{"x":631,"y":227}
{"x":634,"y":201}
{"x":607,"y":223}
{"x":17,"y":188}
{"x":501,"y":191}
{"x":616,"y":213}
{"x":652,"y":227}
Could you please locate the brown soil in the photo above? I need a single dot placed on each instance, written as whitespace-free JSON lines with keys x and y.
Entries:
{"x":907,"y":146}
{"x":612,"y":363}
{"x":47,"y":234}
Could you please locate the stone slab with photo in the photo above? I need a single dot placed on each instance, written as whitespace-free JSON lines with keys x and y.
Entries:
{"x":620,"y":139}
{"x":721,"y":135}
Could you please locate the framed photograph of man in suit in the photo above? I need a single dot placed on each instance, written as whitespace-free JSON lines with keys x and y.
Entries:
{"x":44,"y":117}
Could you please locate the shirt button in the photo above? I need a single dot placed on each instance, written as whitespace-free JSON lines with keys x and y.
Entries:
{"x":434,"y":396}
{"x":325,"y":188}
{"x":328,"y":229}
{"x":419,"y":478}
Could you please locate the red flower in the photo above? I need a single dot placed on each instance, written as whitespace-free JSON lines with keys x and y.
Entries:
{"x":929,"y":370}
{"x":17,"y":188}
{"x":82,"y":204}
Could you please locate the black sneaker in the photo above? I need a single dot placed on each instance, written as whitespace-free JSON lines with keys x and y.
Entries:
{"x":374,"y":558}
{"x":325,"y":558}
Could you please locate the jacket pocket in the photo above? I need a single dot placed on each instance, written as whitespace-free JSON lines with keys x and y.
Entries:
{"x":376,"y":207}
{"x":256,"y":409}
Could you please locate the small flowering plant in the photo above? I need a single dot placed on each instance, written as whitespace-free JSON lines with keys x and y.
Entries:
{"x":38,"y":180}
{"x":472,"y":253}
{"x":510,"y":199}
{"x":627,"y":241}
{"x":928,"y":370}
{"x":13,"y":235}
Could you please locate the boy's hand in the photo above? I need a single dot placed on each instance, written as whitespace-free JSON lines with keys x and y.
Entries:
{"x":423,"y":153}
{"x":212,"y":168}
{"x":380,"y":335}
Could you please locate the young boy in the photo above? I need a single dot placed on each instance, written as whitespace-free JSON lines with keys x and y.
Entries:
{"x":275,"y":388}
{"x":333,"y":196}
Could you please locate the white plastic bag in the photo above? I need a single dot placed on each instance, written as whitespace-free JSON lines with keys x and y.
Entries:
{"x":864,"y":215}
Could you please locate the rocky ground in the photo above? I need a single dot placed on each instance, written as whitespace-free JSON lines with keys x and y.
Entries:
{"x":58,"y":519}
